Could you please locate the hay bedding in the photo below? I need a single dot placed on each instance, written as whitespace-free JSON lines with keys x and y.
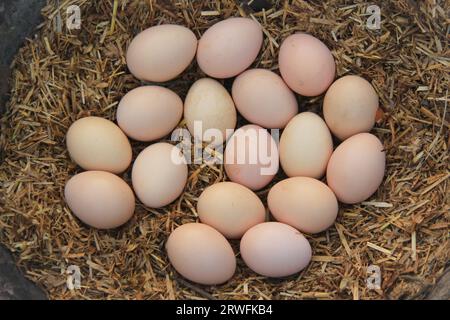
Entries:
{"x":59,"y":78}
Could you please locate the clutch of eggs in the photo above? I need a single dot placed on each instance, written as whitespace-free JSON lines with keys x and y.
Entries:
{"x":301,"y":203}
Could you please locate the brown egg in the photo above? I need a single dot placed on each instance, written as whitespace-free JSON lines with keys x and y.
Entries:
{"x":95,"y":143}
{"x":159,"y":174}
{"x":262,"y":97}
{"x":201,"y":254}
{"x":161,"y":53}
{"x":149,"y":113}
{"x":229,"y":47}
{"x":100,"y":199}
{"x":356,"y":168}
{"x":306,"y":64}
{"x":304,"y":203}
{"x":251,"y":157}
{"x":209,"y":105}
{"x":350,"y":106}
{"x":275,"y":249}
{"x":305,"y":146}
{"x":230,"y":208}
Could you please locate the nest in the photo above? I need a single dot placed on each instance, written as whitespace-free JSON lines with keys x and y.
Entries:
{"x":60,"y":77}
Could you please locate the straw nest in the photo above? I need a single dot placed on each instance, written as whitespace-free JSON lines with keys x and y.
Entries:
{"x":60,"y":77}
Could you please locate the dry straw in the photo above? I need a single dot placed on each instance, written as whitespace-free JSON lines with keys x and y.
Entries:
{"x":58,"y":78}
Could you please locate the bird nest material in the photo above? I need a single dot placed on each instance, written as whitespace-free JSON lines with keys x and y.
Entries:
{"x":59,"y":77}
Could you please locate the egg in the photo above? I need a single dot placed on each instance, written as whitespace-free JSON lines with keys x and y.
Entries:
{"x":209,"y":106}
{"x":356,"y":168}
{"x":230,"y":208}
{"x":305,"y":146}
{"x":95,"y":143}
{"x":149,"y":113}
{"x":275,"y":249}
{"x":161,"y":53}
{"x":251,"y":157}
{"x":304,"y":203}
{"x":350,"y":106}
{"x":201,"y":254}
{"x":229,"y":47}
{"x":306,"y":64}
{"x":159,"y":174}
{"x":100,"y":199}
{"x":262,"y":97}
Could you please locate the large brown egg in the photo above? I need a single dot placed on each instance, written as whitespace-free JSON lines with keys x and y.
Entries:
{"x":356,"y":168}
{"x":306,"y":64}
{"x":161,"y":53}
{"x":100,"y":199}
{"x":262,"y":97}
{"x":229,"y":47}
{"x":350,"y":106}
{"x":95,"y":143}
{"x":201,"y":254}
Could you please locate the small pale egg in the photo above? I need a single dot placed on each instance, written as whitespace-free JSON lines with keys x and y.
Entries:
{"x":209,"y":111}
{"x":149,"y":113}
{"x":229,"y":47}
{"x":305,"y":146}
{"x":251,"y":157}
{"x":304,"y":203}
{"x":201,"y":254}
{"x":306,"y":64}
{"x":262,"y":97}
{"x":159,"y":174}
{"x":230,"y":208}
{"x":356,"y":168}
{"x":100,"y":199}
{"x":161,"y":53}
{"x":350,"y":106}
{"x":275,"y":249}
{"x":95,"y":143}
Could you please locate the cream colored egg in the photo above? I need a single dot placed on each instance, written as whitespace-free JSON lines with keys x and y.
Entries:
{"x":95,"y":143}
{"x":350,"y":106}
{"x":161,"y":53}
{"x":262,"y":97}
{"x":251,"y":157}
{"x":229,"y":47}
{"x":306,"y":64}
{"x":230,"y":208}
{"x":305,"y":146}
{"x":304,"y":203}
{"x":100,"y":199}
{"x":209,"y":111}
{"x":274,"y":249}
{"x":356,"y":168}
{"x":159,"y":174}
{"x":149,"y":113}
{"x":201,"y":254}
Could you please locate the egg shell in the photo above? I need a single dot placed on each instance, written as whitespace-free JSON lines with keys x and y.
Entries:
{"x":100,"y":199}
{"x":161,"y":53}
{"x":229,"y":47}
{"x":149,"y":113}
{"x":262,"y":97}
{"x":305,"y":146}
{"x":304,"y":203}
{"x":350,"y":106}
{"x":95,"y":143}
{"x":356,"y":168}
{"x":251,"y":157}
{"x":230,"y":208}
{"x":208,"y":102}
{"x":275,"y":249}
{"x":306,"y":64}
{"x":201,"y":254}
{"x":159,"y":174}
